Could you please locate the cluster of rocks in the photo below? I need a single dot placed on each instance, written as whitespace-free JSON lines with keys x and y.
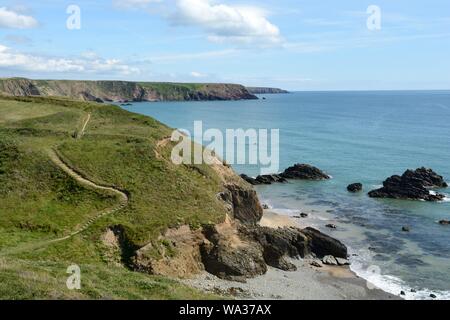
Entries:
{"x":263,"y":246}
{"x":296,"y":172}
{"x":413,"y":185}
{"x":264,"y":179}
{"x":237,"y":249}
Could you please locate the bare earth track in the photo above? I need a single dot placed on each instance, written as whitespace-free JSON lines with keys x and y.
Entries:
{"x":85,"y":182}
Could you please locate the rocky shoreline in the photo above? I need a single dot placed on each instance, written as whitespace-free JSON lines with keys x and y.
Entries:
{"x":311,"y":280}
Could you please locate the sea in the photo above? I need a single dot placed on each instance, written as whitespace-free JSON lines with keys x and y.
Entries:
{"x":354,"y":137}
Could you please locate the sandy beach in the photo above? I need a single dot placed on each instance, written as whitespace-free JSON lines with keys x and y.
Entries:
{"x":307,"y":283}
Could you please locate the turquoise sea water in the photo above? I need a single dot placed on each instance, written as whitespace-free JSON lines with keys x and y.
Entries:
{"x":355,"y":137}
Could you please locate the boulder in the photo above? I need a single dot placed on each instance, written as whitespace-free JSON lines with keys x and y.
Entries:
{"x":444,"y":222}
{"x":412,"y":185}
{"x":316,"y":264}
{"x":331,"y":226}
{"x":278,"y":244}
{"x":355,"y":187}
{"x":304,"y":172}
{"x":329,"y":260}
{"x":342,"y":262}
{"x":406,"y":229}
{"x":323,"y":245}
{"x":231,"y":259}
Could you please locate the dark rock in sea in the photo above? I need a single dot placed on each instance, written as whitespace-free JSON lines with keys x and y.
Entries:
{"x":355,"y":187}
{"x":433,"y":296}
{"x":413,"y":185}
{"x":265,"y":206}
{"x":304,"y":172}
{"x":270,"y":178}
{"x":303,"y":215}
{"x":331,"y":226}
{"x":402,"y":293}
{"x":413,"y":290}
{"x":323,"y":245}
{"x":264,"y":179}
{"x":244,"y":203}
{"x":406,"y":229}
{"x":444,"y":222}
{"x":250,"y":180}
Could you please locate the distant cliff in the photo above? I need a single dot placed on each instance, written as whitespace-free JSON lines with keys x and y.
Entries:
{"x":262,"y":90}
{"x":123,"y":91}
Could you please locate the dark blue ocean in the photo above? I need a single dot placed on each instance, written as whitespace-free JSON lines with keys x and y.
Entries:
{"x":355,"y":137}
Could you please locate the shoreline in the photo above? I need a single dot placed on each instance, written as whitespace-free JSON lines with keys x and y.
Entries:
{"x":307,"y":283}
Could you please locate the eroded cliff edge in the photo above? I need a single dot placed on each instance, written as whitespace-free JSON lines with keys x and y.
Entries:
{"x":124,"y":91}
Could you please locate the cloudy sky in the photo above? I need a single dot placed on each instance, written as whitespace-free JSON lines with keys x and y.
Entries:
{"x":293,"y":44}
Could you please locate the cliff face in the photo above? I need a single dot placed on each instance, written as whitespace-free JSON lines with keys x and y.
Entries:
{"x":123,"y":91}
{"x":262,"y":90}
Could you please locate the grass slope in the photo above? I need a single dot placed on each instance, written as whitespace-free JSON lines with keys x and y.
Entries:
{"x":40,"y":202}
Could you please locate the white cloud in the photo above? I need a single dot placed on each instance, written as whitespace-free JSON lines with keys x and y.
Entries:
{"x":13,"y":20}
{"x":228,"y":23}
{"x":34,"y":63}
{"x":196,"y":74}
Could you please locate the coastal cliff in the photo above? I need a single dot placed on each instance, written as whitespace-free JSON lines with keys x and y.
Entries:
{"x":123,"y":91}
{"x":263,"y":90}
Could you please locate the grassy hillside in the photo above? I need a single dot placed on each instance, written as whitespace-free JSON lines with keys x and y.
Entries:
{"x":40,"y":202}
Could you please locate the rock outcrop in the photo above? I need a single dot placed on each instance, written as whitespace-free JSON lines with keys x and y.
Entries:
{"x":298,"y":171}
{"x":355,"y":187}
{"x":412,"y":185}
{"x":227,"y":256}
{"x":264,"y":179}
{"x":304,"y":172}
{"x":123,"y":91}
{"x":278,"y":244}
{"x":323,"y":245}
{"x":244,"y":203}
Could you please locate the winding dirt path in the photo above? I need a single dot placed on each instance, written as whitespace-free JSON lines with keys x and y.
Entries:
{"x":83,"y":129}
{"x":56,"y":159}
{"x":123,"y":198}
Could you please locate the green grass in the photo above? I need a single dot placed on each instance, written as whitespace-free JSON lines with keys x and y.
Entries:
{"x":39,"y":201}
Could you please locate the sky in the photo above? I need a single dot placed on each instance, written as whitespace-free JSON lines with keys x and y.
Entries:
{"x":291,"y":44}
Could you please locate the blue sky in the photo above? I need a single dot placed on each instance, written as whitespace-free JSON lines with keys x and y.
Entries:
{"x":296,"y":45}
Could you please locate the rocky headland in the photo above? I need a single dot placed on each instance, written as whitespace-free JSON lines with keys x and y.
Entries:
{"x":263,"y":90}
{"x":123,"y":91}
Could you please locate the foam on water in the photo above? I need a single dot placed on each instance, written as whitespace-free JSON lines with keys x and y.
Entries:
{"x":362,"y":267}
